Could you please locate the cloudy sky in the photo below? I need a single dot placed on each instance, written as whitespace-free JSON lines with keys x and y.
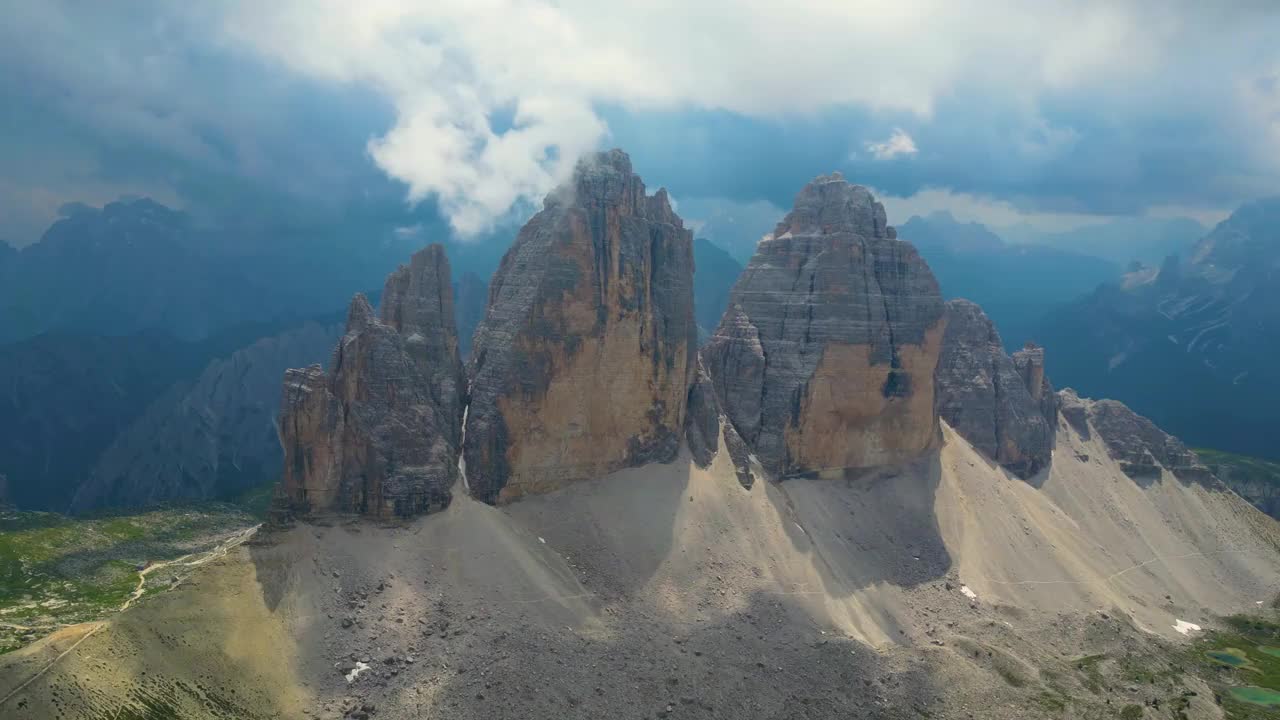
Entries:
{"x":470,"y":110}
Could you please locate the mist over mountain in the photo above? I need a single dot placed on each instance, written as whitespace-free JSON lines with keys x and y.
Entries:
{"x":715,"y":272}
{"x":1148,"y":240}
{"x":1015,"y":284}
{"x":1189,"y":341}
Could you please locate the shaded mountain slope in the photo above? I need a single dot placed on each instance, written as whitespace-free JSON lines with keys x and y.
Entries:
{"x":1016,"y":285}
{"x":684,"y":589}
{"x":1188,"y":344}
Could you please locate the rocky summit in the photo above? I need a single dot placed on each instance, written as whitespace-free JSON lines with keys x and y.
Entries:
{"x":1002,"y":405}
{"x":378,"y":435}
{"x":586,"y":352}
{"x":825,"y":358}
{"x":1140,"y":447}
{"x":417,"y":302}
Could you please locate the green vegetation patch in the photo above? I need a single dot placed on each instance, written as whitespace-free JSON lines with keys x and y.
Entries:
{"x":1242,"y":664}
{"x":1246,"y":467}
{"x":57,"y":570}
{"x":1266,"y":697}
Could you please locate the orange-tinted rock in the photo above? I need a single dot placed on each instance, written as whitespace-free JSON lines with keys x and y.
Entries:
{"x":583,"y":362}
{"x":824,"y":361}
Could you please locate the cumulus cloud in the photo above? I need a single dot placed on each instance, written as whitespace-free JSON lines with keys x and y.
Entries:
{"x":478,"y":107}
{"x":450,"y":67}
{"x":899,"y":143}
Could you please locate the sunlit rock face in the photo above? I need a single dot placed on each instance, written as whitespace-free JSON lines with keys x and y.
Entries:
{"x":583,"y":362}
{"x":824,"y":361}
{"x":378,"y":435}
{"x":1002,"y":405}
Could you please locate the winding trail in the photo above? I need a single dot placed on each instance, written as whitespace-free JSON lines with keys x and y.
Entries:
{"x":190,"y":560}
{"x":187,"y":561}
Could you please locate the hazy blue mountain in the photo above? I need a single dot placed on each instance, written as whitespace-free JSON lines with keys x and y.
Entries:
{"x":66,"y":397}
{"x":714,"y":273}
{"x":136,"y":265}
{"x":1145,"y":239}
{"x":470,"y":295}
{"x":735,"y":226}
{"x":1015,"y":284}
{"x":210,"y":437}
{"x":1192,"y":344}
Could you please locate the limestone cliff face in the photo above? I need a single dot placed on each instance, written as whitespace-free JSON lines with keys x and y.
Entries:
{"x":417,"y":302}
{"x":378,"y":435}
{"x":1137,"y":444}
{"x":825,"y":359}
{"x":584,"y":359}
{"x":1003,"y":406}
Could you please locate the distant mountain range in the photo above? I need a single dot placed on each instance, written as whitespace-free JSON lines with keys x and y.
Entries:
{"x":1015,"y":284}
{"x":1145,"y":239}
{"x":1191,"y":343}
{"x":714,"y":273}
{"x":136,"y":344}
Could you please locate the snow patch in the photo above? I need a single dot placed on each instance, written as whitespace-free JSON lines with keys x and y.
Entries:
{"x":1185,"y":627}
{"x":355,"y":672}
{"x":964,"y":590}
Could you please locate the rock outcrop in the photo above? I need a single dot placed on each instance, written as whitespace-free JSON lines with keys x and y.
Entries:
{"x":825,"y":358}
{"x":703,"y":424}
{"x":583,"y":362}
{"x":378,"y":435}
{"x":1134,"y":442}
{"x":1003,"y":406}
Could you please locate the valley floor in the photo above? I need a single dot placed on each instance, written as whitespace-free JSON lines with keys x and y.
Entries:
{"x":947,"y":589}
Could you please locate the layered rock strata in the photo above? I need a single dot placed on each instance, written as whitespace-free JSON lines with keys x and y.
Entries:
{"x":378,"y":435}
{"x":1134,"y":442}
{"x":825,"y":359}
{"x":1003,"y":406}
{"x":584,"y":359}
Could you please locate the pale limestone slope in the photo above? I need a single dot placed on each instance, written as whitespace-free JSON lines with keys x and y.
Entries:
{"x":589,"y":585}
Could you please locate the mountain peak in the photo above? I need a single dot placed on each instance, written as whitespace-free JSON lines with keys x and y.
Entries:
{"x":830,"y":204}
{"x":606,"y":179}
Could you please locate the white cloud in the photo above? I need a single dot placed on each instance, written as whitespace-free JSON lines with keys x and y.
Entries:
{"x":967,"y":207}
{"x":899,"y":143}
{"x":449,"y":67}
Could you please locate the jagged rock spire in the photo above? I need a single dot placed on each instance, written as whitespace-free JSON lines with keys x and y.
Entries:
{"x":378,"y":434}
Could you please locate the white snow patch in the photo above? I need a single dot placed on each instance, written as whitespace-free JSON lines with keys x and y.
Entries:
{"x":462,"y":444}
{"x":964,"y":590}
{"x":544,"y":542}
{"x":355,"y":672}
{"x":1185,"y":627}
